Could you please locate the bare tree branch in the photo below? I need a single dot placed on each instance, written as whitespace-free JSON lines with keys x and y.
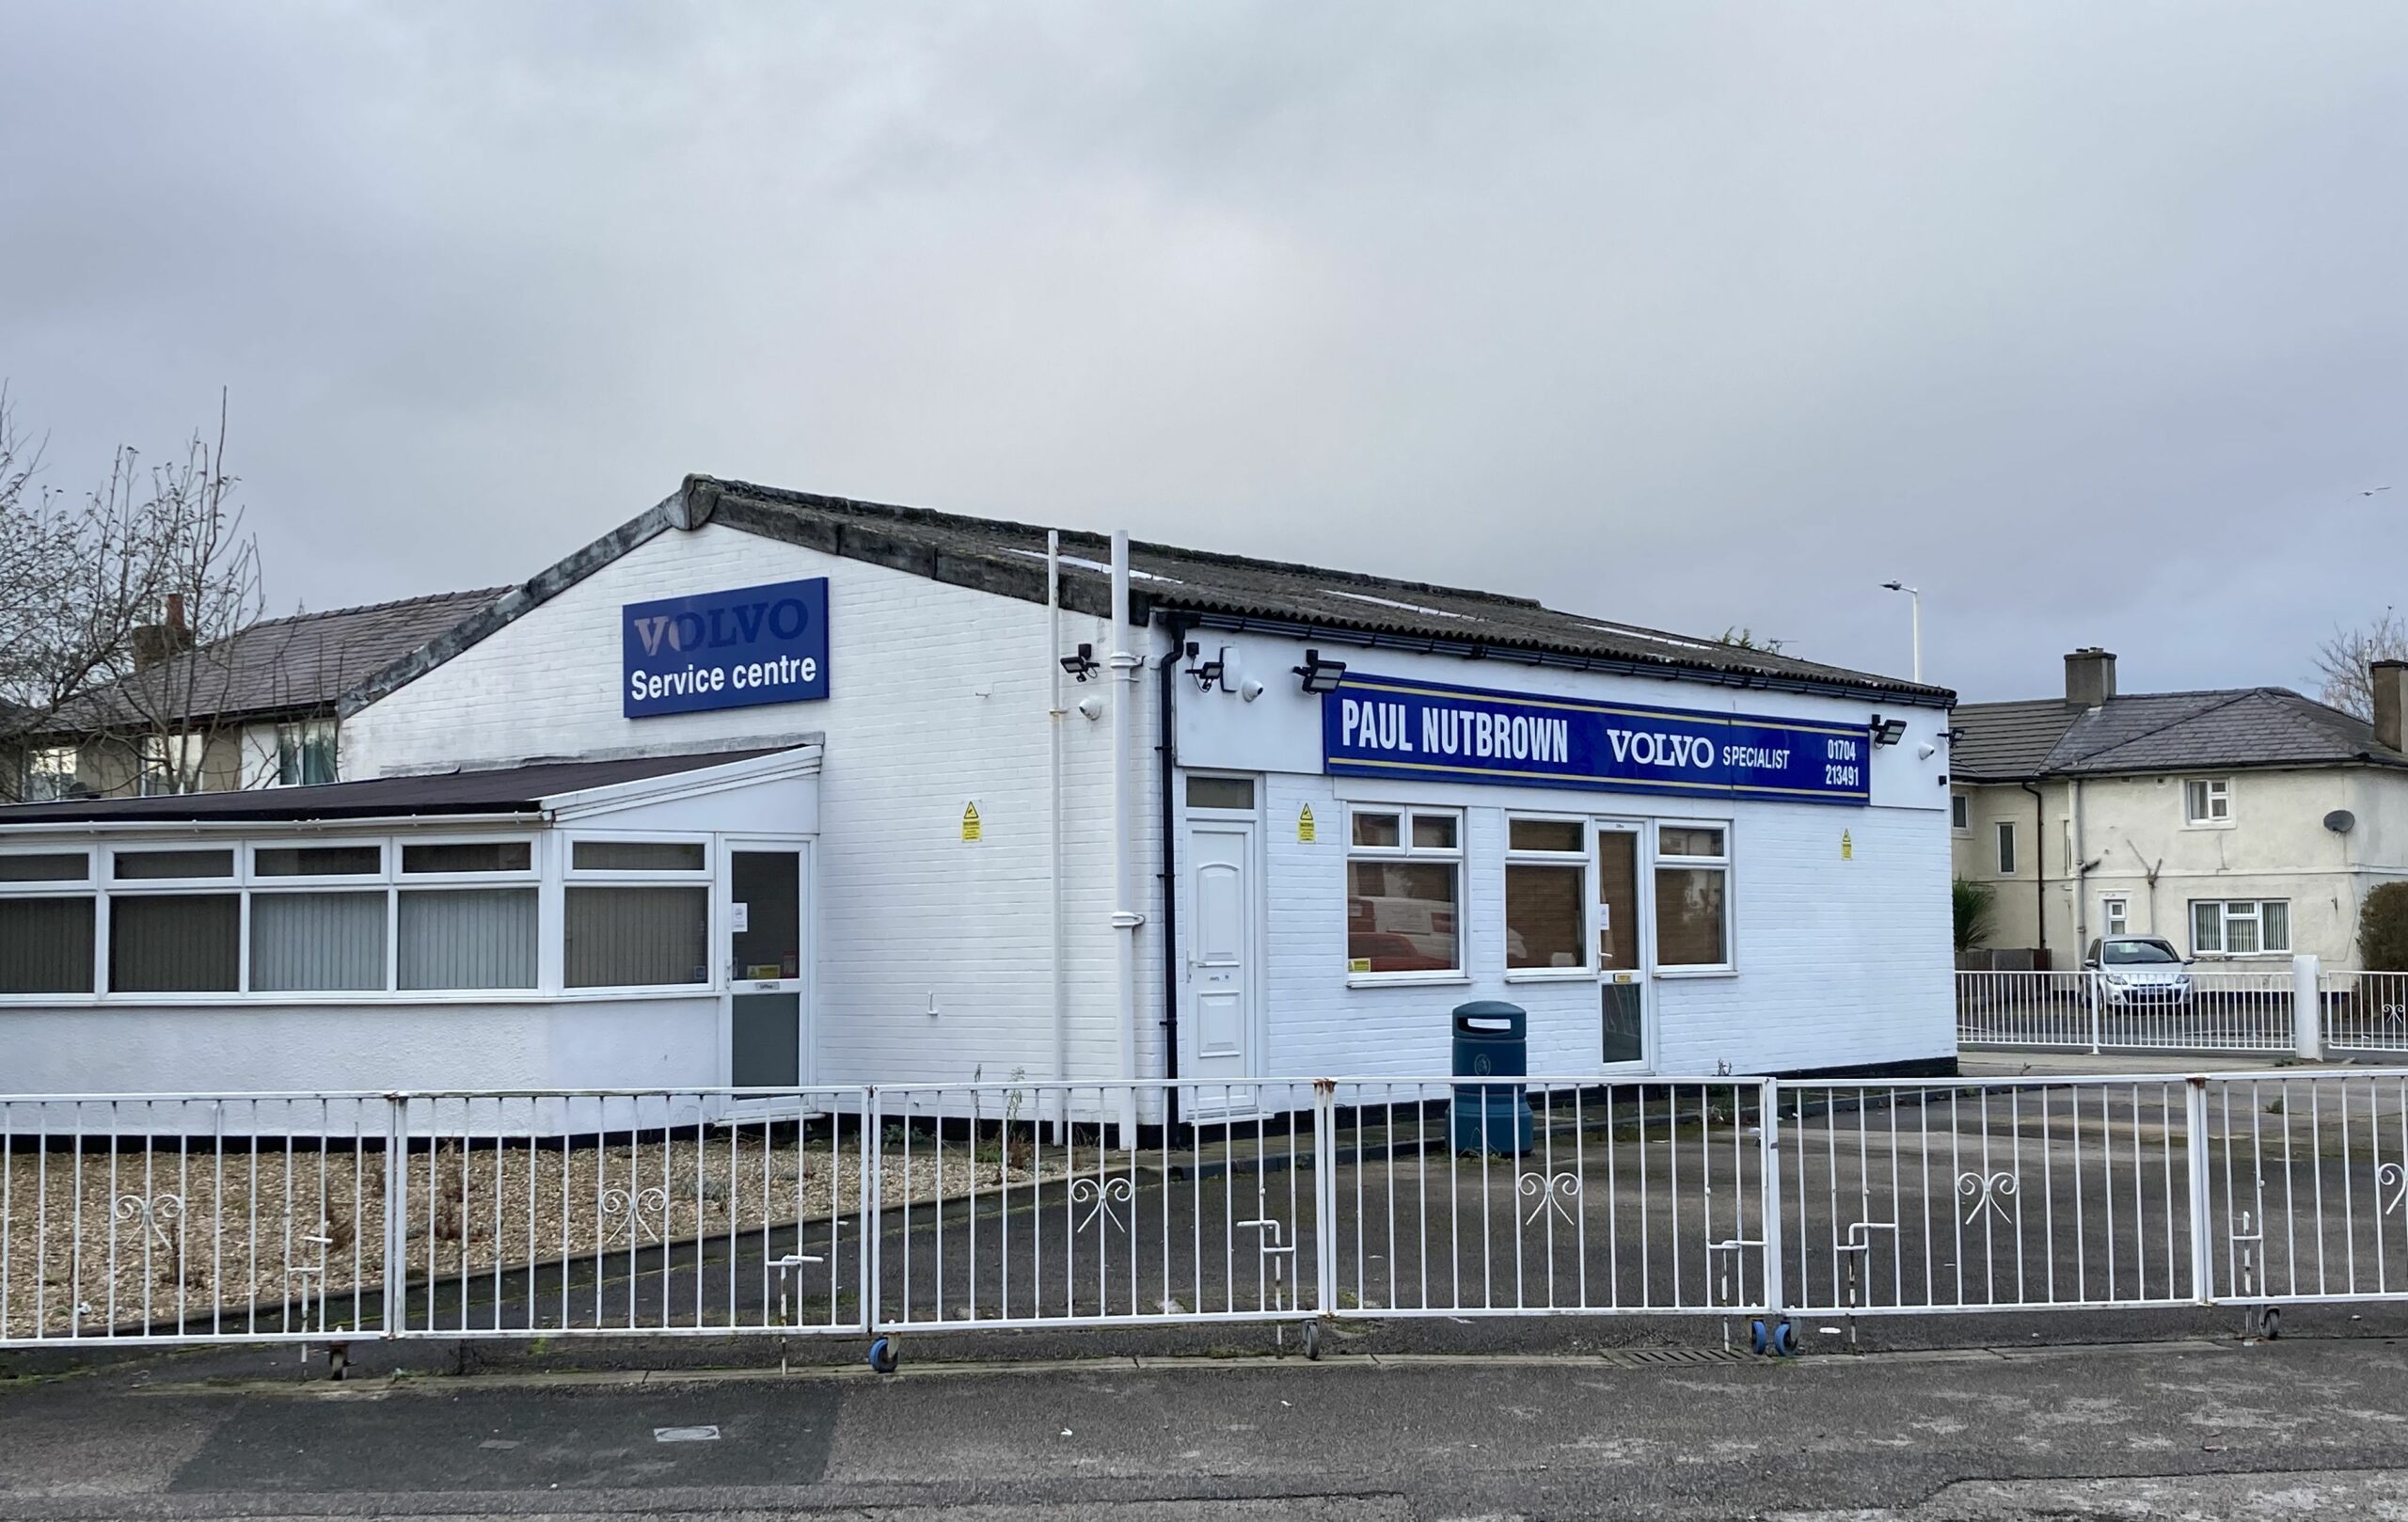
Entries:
{"x":2342,"y":661}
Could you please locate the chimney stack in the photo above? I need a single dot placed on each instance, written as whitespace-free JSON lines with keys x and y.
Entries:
{"x":2390,"y":679}
{"x":2090,"y":676}
{"x":154,"y":643}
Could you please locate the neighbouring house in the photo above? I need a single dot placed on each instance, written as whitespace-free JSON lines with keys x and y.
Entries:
{"x":765,"y":788}
{"x":2239,"y":824}
{"x":255,"y":709}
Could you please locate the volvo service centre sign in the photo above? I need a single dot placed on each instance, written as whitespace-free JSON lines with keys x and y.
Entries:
{"x":1388,"y":726}
{"x":724,"y":649}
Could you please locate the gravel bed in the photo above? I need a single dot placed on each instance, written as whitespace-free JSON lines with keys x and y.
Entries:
{"x":121,"y":1239}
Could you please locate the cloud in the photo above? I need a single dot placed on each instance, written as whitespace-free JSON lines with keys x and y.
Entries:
{"x":2085,"y":319}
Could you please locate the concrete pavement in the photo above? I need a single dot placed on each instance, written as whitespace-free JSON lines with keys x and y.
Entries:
{"x":2200,"y":1426}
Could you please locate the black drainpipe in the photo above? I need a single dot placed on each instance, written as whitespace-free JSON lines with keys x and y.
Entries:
{"x":2039,"y":878}
{"x":1165,"y":750}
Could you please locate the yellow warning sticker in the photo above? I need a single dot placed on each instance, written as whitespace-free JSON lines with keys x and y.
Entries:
{"x":1358,"y":964}
{"x":1304,"y":825}
{"x":972,"y":828}
{"x":1847,"y":847}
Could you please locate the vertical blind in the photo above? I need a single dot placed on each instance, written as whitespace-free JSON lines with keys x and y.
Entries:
{"x":636,"y":937}
{"x":177,"y":942}
{"x":317,"y":942}
{"x":45,"y":945}
{"x":467,"y":938}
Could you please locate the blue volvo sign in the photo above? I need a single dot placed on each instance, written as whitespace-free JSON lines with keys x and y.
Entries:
{"x":724,"y":649}
{"x":1390,"y":726}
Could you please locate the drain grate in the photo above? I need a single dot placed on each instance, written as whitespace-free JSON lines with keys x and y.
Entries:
{"x":1640,"y":1357}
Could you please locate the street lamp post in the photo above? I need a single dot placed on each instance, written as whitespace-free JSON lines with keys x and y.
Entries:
{"x":1916,"y":598}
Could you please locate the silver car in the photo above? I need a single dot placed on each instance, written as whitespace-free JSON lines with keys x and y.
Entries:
{"x":2136,"y":971}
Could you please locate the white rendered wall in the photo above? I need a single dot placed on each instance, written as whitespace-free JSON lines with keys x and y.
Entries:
{"x":1838,"y":961}
{"x":937,"y":696}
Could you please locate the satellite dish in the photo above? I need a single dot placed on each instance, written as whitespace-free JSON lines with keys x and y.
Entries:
{"x":2340,"y":821}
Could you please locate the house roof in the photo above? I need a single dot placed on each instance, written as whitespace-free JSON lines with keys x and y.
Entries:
{"x":496,"y":790}
{"x":2152,"y":732}
{"x":1205,"y":588}
{"x":277,"y":666}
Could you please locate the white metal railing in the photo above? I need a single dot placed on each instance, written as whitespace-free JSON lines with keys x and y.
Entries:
{"x":2197,"y":1008}
{"x":861,"y":1210}
{"x":2366,"y":1011}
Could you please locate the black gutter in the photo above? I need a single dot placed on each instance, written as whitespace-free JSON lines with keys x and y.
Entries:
{"x":2039,"y":878}
{"x":1517,"y":654}
{"x":1167,"y":751}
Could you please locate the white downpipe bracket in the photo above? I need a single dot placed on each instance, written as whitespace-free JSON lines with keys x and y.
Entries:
{"x":1125,"y":915}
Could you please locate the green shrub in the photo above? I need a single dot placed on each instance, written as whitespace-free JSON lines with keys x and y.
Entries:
{"x":2383,"y":929}
{"x":1973,"y":903}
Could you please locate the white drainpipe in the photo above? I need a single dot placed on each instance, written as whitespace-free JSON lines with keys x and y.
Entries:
{"x":1055,"y":715}
{"x":1125,"y":665}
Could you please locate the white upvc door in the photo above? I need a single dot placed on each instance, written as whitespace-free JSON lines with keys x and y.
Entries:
{"x":1626,"y":1034}
{"x":765,"y":943}
{"x":1223,"y":956}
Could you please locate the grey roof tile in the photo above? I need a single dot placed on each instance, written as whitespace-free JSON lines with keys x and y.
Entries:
{"x":2233,"y":727}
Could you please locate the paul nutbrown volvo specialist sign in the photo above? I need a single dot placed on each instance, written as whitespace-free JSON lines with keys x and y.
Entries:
{"x":1393,"y":726}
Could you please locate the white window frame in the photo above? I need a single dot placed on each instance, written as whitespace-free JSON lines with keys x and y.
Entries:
{"x":86,"y":888}
{"x":301,"y":730}
{"x":1961,"y":813}
{"x":1583,"y":860}
{"x":2006,"y":851}
{"x":2115,"y":914}
{"x":2225,"y":917}
{"x":1405,"y":851}
{"x":2215,"y":794}
{"x":704,"y":877}
{"x":41,"y":761}
{"x":1727,"y":864}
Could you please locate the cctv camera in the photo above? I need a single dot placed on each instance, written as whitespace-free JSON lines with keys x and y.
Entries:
{"x":1091,"y":708}
{"x":1250,"y":689}
{"x":1924,"y":753}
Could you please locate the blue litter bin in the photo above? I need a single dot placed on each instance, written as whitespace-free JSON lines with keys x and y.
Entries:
{"x":1492,"y":1044}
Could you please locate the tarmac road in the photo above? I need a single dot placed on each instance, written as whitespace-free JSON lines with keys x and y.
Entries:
{"x":2188,"y":1427}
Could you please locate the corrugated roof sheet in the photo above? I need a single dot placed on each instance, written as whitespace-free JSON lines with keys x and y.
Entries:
{"x":1008,"y":558}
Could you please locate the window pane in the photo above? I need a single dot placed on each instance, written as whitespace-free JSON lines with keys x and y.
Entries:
{"x":45,"y":945}
{"x":175,"y":944}
{"x":470,"y":856}
{"x":317,"y":862}
{"x":631,"y":937}
{"x":1689,"y":917}
{"x":1688,"y":840}
{"x":2194,"y":800}
{"x":1543,"y":835}
{"x":1618,"y":899}
{"x":769,"y":885}
{"x":469,"y":938}
{"x":1435,"y":831}
{"x":1959,"y":811}
{"x":2207,"y":927}
{"x":2240,"y":930}
{"x":637,"y":855}
{"x":58,"y":866}
{"x":2275,"y":921}
{"x":1377,"y":830}
{"x":2006,"y":849}
{"x":1400,"y":917}
{"x":1543,"y":915}
{"x":1220,"y":792}
{"x":317,"y":942}
{"x":140,"y":864}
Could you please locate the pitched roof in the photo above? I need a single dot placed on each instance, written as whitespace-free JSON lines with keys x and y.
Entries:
{"x":279,"y":666}
{"x":2235,"y":727}
{"x":521,"y":790}
{"x":1207,"y":588}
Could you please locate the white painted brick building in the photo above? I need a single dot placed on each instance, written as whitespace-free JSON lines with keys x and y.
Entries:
{"x":1679,"y":857}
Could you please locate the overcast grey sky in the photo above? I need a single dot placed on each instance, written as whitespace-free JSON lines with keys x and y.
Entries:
{"x":2086,"y":317}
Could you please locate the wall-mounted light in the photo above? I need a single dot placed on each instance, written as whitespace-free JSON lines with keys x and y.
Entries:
{"x":1082,"y":665}
{"x":1209,"y":673}
{"x":1321,"y":676}
{"x":1888,"y":731}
